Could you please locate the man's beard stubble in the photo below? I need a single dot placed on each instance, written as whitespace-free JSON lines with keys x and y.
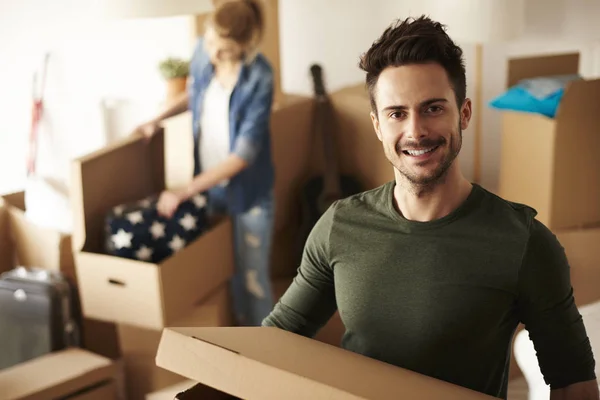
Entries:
{"x":429,"y":182}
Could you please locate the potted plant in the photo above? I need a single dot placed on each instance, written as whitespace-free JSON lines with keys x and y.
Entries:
{"x":175,"y":72}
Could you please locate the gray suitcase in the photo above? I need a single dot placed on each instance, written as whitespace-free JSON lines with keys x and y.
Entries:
{"x":39,"y":314}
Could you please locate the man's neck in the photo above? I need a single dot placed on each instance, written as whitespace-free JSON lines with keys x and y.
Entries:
{"x":428,"y":203}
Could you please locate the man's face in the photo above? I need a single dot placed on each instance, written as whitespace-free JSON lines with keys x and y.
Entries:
{"x":419,"y":122}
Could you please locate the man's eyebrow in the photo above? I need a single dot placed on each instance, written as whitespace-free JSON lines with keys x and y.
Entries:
{"x":399,"y":107}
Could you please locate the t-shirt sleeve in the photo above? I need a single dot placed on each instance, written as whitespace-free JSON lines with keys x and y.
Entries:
{"x":547,"y":309}
{"x":309,"y":302}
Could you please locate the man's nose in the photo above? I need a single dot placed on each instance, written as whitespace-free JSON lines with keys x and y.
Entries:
{"x":415,"y":127}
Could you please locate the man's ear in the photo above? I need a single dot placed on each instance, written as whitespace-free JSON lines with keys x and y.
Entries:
{"x":466,"y":112}
{"x":375,"y":121}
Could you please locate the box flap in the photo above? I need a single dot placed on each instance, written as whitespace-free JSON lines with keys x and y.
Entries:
{"x":239,"y":360}
{"x":15,"y":199}
{"x":126,"y":171}
{"x":532,"y":67}
{"x":55,"y":375}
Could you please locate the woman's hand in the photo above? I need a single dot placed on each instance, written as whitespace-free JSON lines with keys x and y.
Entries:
{"x":168,"y":202}
{"x":147,"y":130}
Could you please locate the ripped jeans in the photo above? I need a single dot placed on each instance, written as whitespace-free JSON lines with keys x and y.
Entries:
{"x":252,"y":237}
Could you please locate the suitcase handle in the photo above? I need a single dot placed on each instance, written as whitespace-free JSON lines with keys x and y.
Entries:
{"x":116,"y":282}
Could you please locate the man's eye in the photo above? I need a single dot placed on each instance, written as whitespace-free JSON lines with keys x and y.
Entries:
{"x":434,"y":109}
{"x":396,"y":115}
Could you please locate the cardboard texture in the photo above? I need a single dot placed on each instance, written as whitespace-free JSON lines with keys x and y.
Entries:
{"x":127,"y":291}
{"x":71,"y":372}
{"x":240,"y":361}
{"x":35,"y":245}
{"x":547,"y":163}
{"x":197,"y":391}
{"x":362,"y":155}
{"x":583,"y":253}
{"x":139,"y":345}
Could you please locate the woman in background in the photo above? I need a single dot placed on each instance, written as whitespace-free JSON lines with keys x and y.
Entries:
{"x":230,"y":93}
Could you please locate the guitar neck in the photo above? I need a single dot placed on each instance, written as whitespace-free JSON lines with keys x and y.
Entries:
{"x":331,"y":183}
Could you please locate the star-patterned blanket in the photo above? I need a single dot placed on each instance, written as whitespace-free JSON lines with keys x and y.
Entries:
{"x":137,"y":232}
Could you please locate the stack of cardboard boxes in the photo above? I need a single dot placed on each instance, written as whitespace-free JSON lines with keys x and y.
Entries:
{"x":93,"y":372}
{"x":552,"y":165}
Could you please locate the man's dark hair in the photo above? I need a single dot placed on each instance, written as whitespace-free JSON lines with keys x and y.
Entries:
{"x":415,"y":41}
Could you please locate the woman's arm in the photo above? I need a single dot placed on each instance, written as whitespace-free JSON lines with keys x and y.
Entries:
{"x":230,"y":167}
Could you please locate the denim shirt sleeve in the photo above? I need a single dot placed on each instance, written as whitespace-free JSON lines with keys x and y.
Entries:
{"x":255,"y":124}
{"x":197,"y":62}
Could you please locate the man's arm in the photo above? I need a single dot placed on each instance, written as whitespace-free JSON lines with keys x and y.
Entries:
{"x":547,"y":308}
{"x":309,"y":302}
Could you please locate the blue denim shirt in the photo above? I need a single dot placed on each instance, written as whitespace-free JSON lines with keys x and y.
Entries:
{"x":249,"y":122}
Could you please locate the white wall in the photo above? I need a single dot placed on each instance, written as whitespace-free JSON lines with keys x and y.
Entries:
{"x":90,"y":62}
{"x":118,"y":61}
{"x":335,"y":32}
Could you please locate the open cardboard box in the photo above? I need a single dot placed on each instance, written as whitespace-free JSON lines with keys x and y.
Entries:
{"x":72,"y":373}
{"x":270,"y":363}
{"x":127,"y":291}
{"x":552,"y":164}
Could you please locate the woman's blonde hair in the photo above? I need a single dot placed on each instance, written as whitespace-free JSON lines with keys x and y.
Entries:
{"x":242,"y":21}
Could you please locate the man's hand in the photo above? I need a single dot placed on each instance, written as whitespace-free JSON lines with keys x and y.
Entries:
{"x":168,"y":202}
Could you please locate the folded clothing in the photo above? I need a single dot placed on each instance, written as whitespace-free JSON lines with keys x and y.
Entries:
{"x":540,"y":95}
{"x":136,"y":230}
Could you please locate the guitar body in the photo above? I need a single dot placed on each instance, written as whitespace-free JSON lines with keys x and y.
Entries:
{"x":321,"y":191}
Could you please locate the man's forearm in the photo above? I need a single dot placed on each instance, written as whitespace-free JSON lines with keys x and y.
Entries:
{"x":179,"y":106}
{"x":578,"y":391}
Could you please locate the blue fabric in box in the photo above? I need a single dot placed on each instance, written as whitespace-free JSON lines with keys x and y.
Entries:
{"x":537,"y":95}
{"x":137,"y":232}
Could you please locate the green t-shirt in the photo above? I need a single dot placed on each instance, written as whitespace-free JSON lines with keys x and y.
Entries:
{"x":442,"y":298}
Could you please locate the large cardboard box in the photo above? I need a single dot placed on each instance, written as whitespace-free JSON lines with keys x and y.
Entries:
{"x":552,"y":164}
{"x":73,"y":373}
{"x":140,"y":345}
{"x":269,"y":363}
{"x":128,"y":291}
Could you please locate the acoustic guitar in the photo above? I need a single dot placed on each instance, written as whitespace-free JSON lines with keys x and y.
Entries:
{"x":321,"y":191}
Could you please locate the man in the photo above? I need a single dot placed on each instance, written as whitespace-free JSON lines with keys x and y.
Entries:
{"x":430,"y":272}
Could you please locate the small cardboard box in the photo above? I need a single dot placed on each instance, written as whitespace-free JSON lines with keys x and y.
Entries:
{"x":552,"y":164}
{"x":128,"y":291}
{"x":269,"y":363}
{"x":72,"y":373}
